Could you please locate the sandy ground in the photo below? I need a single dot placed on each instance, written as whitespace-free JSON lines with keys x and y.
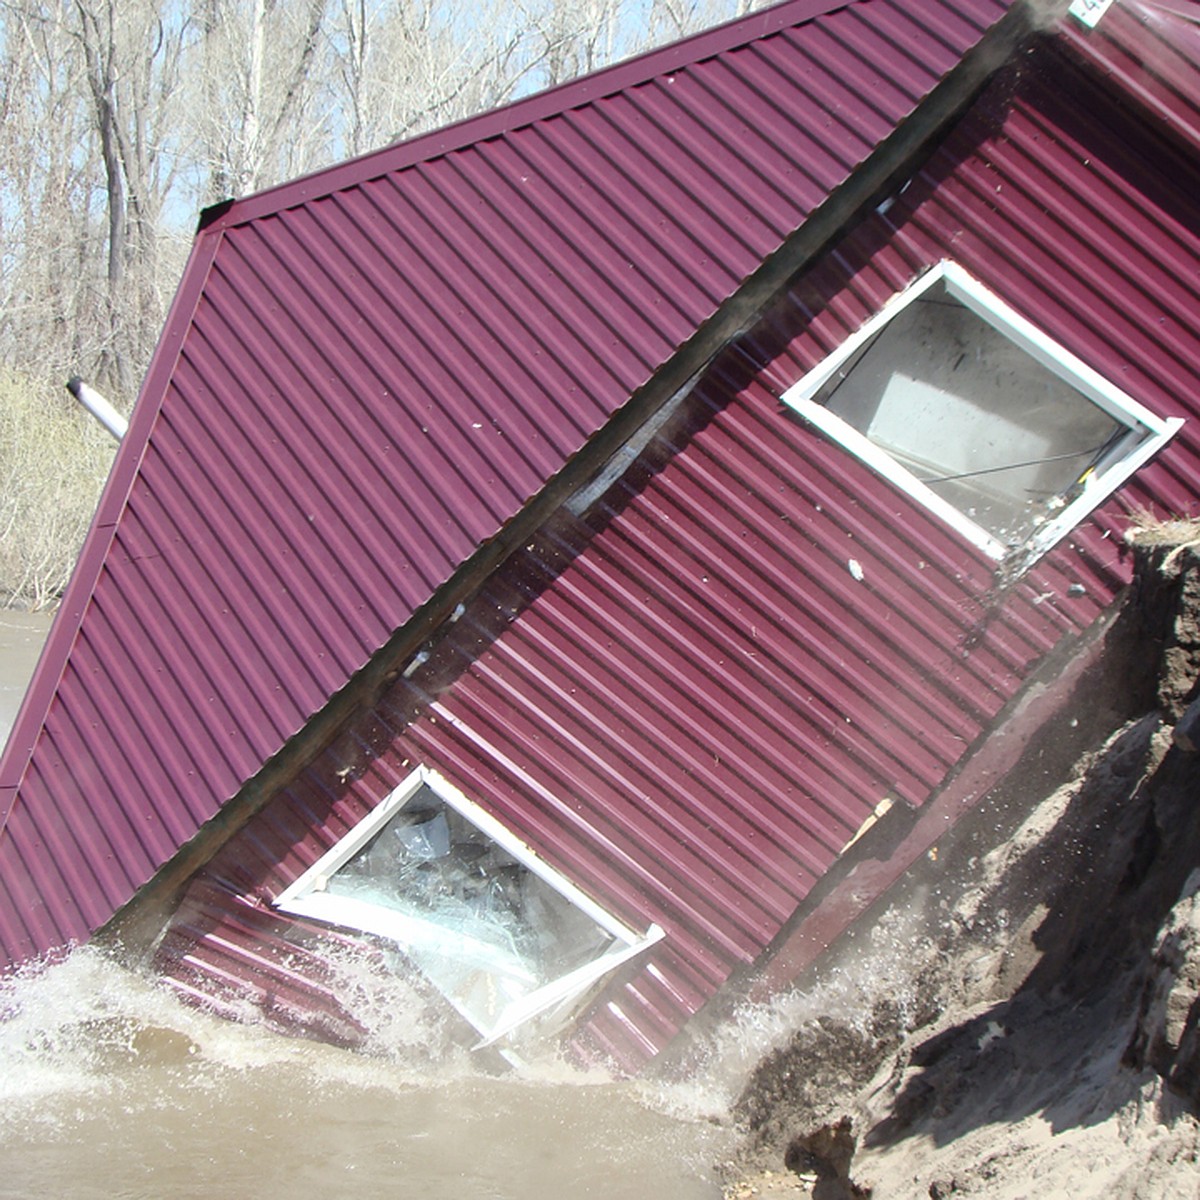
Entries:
{"x":989,"y":1048}
{"x":1022,"y":1018}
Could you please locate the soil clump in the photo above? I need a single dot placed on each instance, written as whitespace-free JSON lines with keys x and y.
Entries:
{"x":1022,"y":1017}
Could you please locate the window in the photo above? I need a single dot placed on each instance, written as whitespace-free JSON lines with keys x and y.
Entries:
{"x":969,"y":408}
{"x":503,"y":936}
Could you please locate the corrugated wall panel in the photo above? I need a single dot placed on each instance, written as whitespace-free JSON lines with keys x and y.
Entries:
{"x":621,"y":725}
{"x":690,"y":704}
{"x":369,"y":371}
{"x":1151,"y":49}
{"x":1137,"y":206}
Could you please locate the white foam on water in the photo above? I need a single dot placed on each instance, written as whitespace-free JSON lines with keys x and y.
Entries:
{"x":887,"y":966}
{"x":111,"y":1086}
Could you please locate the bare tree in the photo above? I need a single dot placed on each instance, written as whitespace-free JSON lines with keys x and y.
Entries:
{"x":255,"y":84}
{"x":672,"y":19}
{"x":131,"y":64}
{"x":398,"y":69}
{"x":120,"y":118}
{"x":573,"y":37}
{"x":46,"y":212}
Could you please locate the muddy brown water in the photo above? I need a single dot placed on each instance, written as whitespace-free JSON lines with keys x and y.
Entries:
{"x":21,"y":638}
{"x":110,"y":1087}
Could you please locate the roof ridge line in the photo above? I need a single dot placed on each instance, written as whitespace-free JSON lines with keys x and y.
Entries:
{"x":526,"y":110}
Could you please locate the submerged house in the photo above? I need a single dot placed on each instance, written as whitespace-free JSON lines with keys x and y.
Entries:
{"x":541,"y":549}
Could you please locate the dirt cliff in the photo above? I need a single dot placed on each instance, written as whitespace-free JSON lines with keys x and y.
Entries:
{"x":1023,"y":1019}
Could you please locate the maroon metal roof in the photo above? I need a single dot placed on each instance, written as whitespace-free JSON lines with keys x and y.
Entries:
{"x":690,"y":703}
{"x":368,"y":372}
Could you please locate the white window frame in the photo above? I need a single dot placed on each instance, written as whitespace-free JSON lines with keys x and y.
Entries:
{"x":1110,"y":473}
{"x":307,"y":897}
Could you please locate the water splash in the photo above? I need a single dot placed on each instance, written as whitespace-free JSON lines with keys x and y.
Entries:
{"x":877,"y":984}
{"x":110,"y":1086}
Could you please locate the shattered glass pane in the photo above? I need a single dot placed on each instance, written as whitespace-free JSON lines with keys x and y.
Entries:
{"x":483,"y":927}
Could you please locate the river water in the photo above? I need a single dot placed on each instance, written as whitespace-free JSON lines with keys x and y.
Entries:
{"x":21,"y":638}
{"x":110,"y":1087}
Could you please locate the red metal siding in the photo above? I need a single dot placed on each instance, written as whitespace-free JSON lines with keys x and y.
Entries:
{"x":690,"y":703}
{"x":368,"y":372}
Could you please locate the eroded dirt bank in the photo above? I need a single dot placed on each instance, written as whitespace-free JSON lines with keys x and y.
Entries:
{"x":1024,"y":1017}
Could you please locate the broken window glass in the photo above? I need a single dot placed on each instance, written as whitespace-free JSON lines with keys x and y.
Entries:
{"x":499,"y":933}
{"x":483,"y":927}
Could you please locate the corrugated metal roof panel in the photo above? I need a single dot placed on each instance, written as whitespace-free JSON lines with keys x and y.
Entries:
{"x":369,"y":371}
{"x":691,"y":703}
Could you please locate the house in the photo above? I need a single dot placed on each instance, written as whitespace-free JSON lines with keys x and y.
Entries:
{"x":549,"y":545}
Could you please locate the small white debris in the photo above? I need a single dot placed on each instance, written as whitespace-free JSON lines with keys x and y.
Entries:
{"x":995,"y":1032}
{"x":1089,"y":12}
{"x":417,"y":659}
{"x":855,"y":569}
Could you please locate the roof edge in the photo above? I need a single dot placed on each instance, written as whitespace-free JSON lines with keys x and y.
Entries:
{"x":35,"y":706}
{"x":494,"y":122}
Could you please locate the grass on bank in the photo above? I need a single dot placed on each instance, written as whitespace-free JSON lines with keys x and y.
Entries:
{"x":53,"y":462}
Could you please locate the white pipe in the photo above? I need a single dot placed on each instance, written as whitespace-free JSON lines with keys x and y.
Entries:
{"x":98,"y":406}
